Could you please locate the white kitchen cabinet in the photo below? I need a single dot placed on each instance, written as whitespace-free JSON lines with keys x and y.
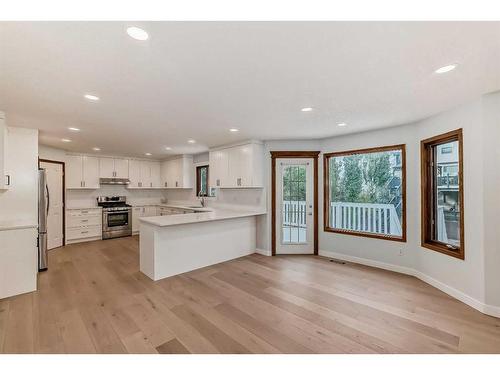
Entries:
{"x":137,"y":212}
{"x":83,"y":225}
{"x":145,"y":174}
{"x":239,"y":166}
{"x":177,"y":173}
{"x":151,"y":211}
{"x":82,"y":172}
{"x":134,"y":173}
{"x":4,"y":175}
{"x":113,"y":168}
{"x":18,"y":261}
{"x":155,"y":175}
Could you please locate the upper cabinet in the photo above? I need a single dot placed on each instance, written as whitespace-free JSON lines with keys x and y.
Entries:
{"x":239,"y":166}
{"x":113,"y":168}
{"x":82,"y":172}
{"x":177,"y":173}
{"x":4,"y":177}
{"x":144,"y":174}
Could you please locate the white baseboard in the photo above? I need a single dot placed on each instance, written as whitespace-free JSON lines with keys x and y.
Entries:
{"x":263,"y":252}
{"x":455,"y":293}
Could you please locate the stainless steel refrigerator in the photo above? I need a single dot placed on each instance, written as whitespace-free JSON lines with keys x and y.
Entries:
{"x":43,"y":209}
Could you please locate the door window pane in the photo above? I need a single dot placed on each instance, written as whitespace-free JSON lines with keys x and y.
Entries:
{"x":294,"y":204}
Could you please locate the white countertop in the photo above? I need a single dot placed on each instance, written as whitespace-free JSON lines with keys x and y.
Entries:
{"x":17,"y":224}
{"x":211,"y":214}
{"x":83,"y":207}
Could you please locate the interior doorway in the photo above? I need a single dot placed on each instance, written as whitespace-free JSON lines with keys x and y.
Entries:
{"x":55,"y":213}
{"x":294,"y":216}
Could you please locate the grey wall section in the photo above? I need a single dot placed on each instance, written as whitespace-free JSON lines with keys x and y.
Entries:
{"x":491,"y":185}
{"x":477,"y":278}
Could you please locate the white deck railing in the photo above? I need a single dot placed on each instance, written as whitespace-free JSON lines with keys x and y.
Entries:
{"x":365,"y":217}
{"x":294,"y":213}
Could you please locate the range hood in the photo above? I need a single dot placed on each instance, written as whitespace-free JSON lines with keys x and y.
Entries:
{"x":114,"y":181}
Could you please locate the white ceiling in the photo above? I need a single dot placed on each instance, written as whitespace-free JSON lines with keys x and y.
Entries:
{"x":198,"y":79}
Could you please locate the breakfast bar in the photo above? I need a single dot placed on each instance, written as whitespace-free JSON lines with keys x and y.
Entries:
{"x":174,"y":244}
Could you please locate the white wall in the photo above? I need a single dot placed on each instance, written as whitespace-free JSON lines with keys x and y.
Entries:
{"x":393,"y":252}
{"x":51,"y":153}
{"x":20,"y":201}
{"x":491,"y":198}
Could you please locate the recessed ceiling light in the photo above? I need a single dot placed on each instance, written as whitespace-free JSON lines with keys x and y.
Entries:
{"x":137,"y":33}
{"x":74,"y":129}
{"x":307,"y":109}
{"x":91,"y":97}
{"x":342,"y":124}
{"x":96,"y":149}
{"x":66,"y":140}
{"x":234,"y":130}
{"x":148,"y":154}
{"x":168,"y":148}
{"x":191,"y":141}
{"x":446,"y":68}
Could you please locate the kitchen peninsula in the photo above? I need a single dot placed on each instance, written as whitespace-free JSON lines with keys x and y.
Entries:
{"x":174,"y":244}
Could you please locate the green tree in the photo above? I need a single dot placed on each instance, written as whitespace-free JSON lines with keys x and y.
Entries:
{"x":376,"y":174}
{"x":352,"y":179}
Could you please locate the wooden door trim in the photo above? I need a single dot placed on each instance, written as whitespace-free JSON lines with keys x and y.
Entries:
{"x":63,"y":192}
{"x":293,"y":154}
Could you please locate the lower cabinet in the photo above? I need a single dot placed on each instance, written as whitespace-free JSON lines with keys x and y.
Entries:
{"x":142,"y":211}
{"x":83,"y":225}
{"x":18,"y":261}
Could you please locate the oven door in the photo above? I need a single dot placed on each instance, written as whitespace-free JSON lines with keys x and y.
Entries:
{"x":115,"y":220}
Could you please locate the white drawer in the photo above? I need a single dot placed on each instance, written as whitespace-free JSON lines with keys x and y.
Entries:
{"x":84,"y":232}
{"x":87,"y":212}
{"x":78,"y":221}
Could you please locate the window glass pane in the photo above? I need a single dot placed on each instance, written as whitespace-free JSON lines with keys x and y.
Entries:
{"x":447,"y":202}
{"x":366,"y":192}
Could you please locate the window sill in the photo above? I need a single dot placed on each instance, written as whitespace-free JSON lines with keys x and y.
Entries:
{"x":368,"y":235}
{"x":443,"y":249}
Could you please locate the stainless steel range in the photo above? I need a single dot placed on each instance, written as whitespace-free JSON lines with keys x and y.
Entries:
{"x":116,"y":217}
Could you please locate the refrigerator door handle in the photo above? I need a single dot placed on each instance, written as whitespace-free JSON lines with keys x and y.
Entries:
{"x":48,"y":198}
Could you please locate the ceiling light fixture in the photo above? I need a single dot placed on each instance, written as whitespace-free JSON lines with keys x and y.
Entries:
{"x":307,"y":109}
{"x":191,"y":141}
{"x":96,"y":149}
{"x":445,"y":69}
{"x":168,"y":148}
{"x":137,"y":33}
{"x":91,"y":97}
{"x":234,"y":130}
{"x":148,"y":154}
{"x":342,"y":124}
{"x":66,"y":140}
{"x":74,"y":129}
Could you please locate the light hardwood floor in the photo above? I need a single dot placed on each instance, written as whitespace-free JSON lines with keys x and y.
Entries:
{"x":93,"y":299}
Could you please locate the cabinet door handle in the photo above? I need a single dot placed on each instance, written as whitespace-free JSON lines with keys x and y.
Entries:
{"x":151,"y":184}
{"x":238,"y":181}
{"x":86,"y":231}
{"x":8,"y":179}
{"x":165,"y":184}
{"x":218,"y":182}
{"x":176,"y":184}
{"x":85,"y":221}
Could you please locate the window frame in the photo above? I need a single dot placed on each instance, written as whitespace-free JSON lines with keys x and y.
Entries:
{"x":326,"y":192}
{"x":198,"y":180}
{"x":427,"y":192}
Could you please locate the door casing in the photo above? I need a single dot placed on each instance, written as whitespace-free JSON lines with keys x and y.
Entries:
{"x":295,"y":155}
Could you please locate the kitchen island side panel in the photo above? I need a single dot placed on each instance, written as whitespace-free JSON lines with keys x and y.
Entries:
{"x":181,"y":248}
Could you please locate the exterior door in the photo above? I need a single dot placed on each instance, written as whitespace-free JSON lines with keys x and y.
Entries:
{"x":294,"y":197}
{"x":55,"y":212}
